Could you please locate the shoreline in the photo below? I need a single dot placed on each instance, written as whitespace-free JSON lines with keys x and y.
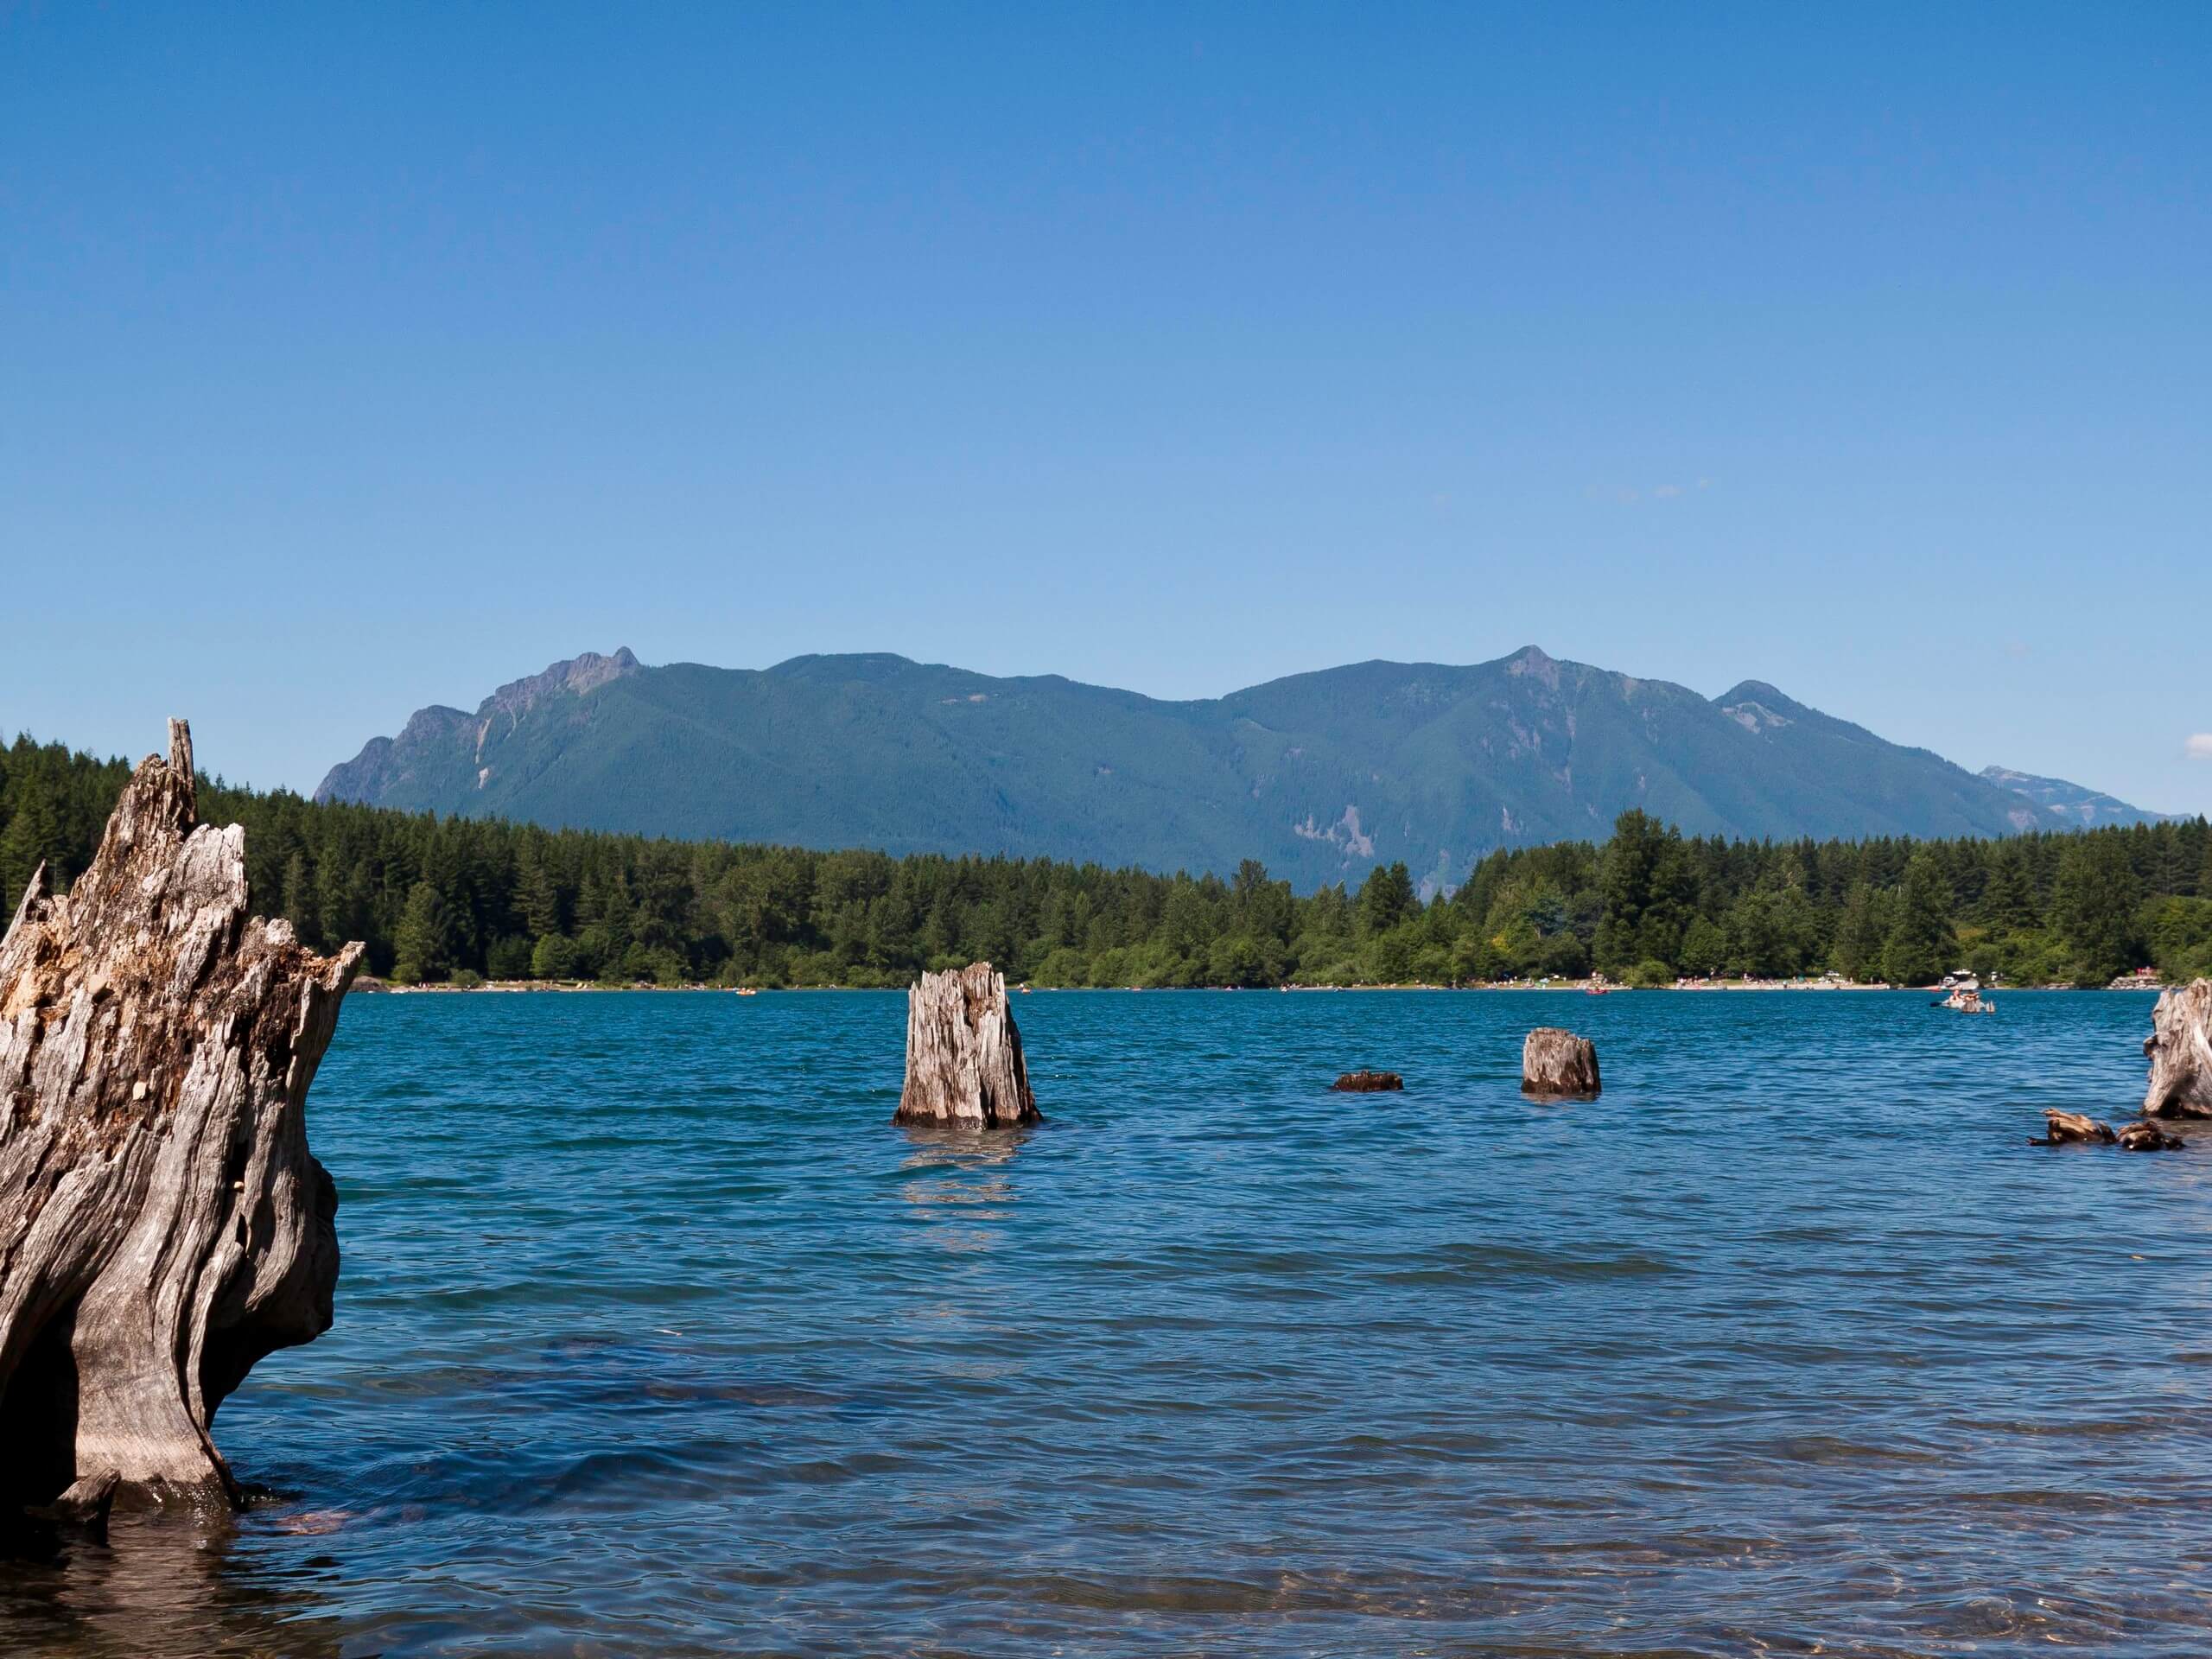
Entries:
{"x":371,"y":987}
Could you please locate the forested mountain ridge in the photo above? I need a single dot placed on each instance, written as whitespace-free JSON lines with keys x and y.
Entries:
{"x":441,"y":897}
{"x":1321,"y":776}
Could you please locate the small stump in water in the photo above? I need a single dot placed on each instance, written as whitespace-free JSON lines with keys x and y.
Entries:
{"x":963,"y":1054}
{"x":2074,"y":1129}
{"x":1367,"y":1082}
{"x":1558,"y":1065}
{"x":2144,"y":1135}
{"x":2179,"y":1049}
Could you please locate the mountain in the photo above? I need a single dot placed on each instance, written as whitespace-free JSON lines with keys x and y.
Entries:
{"x":1320,"y":775}
{"x":2074,"y":804}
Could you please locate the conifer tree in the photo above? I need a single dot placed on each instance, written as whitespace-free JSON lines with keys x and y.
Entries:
{"x":1922,"y":942}
{"x":422,"y":944}
{"x":2093,"y":902}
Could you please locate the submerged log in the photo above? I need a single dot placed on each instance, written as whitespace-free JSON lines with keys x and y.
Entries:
{"x":163,"y":1224}
{"x":1558,"y":1064}
{"x":2072,"y":1129}
{"x":2144,"y":1135}
{"x":963,"y":1053}
{"x":1367,"y":1082}
{"x":2179,"y":1049}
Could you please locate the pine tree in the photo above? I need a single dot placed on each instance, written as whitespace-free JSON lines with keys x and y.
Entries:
{"x":422,"y":943}
{"x":537,"y":895}
{"x":1386,"y":898}
{"x":2008,"y":896}
{"x":1859,"y":935}
{"x":300,"y":907}
{"x":2093,"y":902}
{"x":1922,"y":942}
{"x":32,"y":838}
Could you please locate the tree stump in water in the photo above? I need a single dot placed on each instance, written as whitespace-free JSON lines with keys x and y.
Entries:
{"x":963,"y":1053}
{"x":2063,"y":1128}
{"x":162,"y":1226}
{"x":2144,"y":1135}
{"x":1558,"y":1064}
{"x":1367,"y":1082}
{"x":2179,"y":1049}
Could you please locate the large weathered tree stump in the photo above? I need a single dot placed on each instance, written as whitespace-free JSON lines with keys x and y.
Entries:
{"x":2179,"y":1048}
{"x":963,"y":1053}
{"x":1557,"y":1063}
{"x":162,"y":1226}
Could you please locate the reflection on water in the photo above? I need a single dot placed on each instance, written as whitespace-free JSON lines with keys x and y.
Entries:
{"x":1788,"y":1343}
{"x":174,"y":1582}
{"x":960,"y":1183}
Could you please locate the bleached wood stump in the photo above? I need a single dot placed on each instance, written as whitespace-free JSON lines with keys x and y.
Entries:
{"x":163,"y":1224}
{"x":1558,"y":1062}
{"x":963,"y":1053}
{"x":2179,"y":1049}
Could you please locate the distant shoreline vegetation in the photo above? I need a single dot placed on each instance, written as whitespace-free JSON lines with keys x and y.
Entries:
{"x":441,"y":898}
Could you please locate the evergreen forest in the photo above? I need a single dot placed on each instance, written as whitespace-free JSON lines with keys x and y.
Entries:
{"x":462,"y":900}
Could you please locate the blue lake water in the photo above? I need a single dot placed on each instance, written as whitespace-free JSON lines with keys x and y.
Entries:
{"x":654,"y":1335}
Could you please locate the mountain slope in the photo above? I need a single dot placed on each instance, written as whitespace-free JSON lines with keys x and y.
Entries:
{"x":1320,"y":775}
{"x":2074,"y":804}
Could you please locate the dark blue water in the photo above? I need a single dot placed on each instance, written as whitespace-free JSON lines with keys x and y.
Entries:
{"x":655,"y":1337}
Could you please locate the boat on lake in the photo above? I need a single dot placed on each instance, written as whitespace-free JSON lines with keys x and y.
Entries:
{"x":1963,"y":994}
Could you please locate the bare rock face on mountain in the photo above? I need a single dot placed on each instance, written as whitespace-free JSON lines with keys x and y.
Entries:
{"x":1558,"y":1064}
{"x":963,"y":1053}
{"x":163,"y":1224}
{"x":2179,"y":1048}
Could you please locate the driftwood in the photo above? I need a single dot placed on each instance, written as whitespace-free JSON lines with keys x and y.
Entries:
{"x":162,"y":1226}
{"x":1558,"y":1064}
{"x":2179,"y":1049}
{"x":2079,"y":1129}
{"x":2144,"y":1135}
{"x":1367,"y":1082}
{"x":963,"y":1053}
{"x":2072,"y":1129}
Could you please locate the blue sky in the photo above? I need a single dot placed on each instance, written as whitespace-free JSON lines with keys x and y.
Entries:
{"x":358,"y":357}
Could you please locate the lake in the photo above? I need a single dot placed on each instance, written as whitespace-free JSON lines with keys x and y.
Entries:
{"x":655,"y":1336}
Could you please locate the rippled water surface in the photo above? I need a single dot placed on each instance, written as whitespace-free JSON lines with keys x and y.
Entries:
{"x":654,"y":1335}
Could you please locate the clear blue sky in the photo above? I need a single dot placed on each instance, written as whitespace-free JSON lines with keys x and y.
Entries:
{"x":358,"y":357}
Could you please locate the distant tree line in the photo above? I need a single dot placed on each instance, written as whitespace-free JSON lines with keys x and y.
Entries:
{"x":454,"y":898}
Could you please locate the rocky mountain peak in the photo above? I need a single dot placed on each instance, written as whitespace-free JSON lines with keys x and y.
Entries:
{"x":1531,"y":661}
{"x":578,"y":674}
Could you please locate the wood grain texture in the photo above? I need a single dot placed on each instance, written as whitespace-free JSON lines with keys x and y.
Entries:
{"x":2179,"y":1049}
{"x":964,"y":1066}
{"x":163,"y":1223}
{"x":1558,"y":1062}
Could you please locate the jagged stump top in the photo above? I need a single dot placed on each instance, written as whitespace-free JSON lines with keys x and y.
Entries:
{"x":163,"y":1224}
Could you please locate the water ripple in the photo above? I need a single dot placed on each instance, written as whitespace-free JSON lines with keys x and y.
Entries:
{"x":655,"y":1336}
